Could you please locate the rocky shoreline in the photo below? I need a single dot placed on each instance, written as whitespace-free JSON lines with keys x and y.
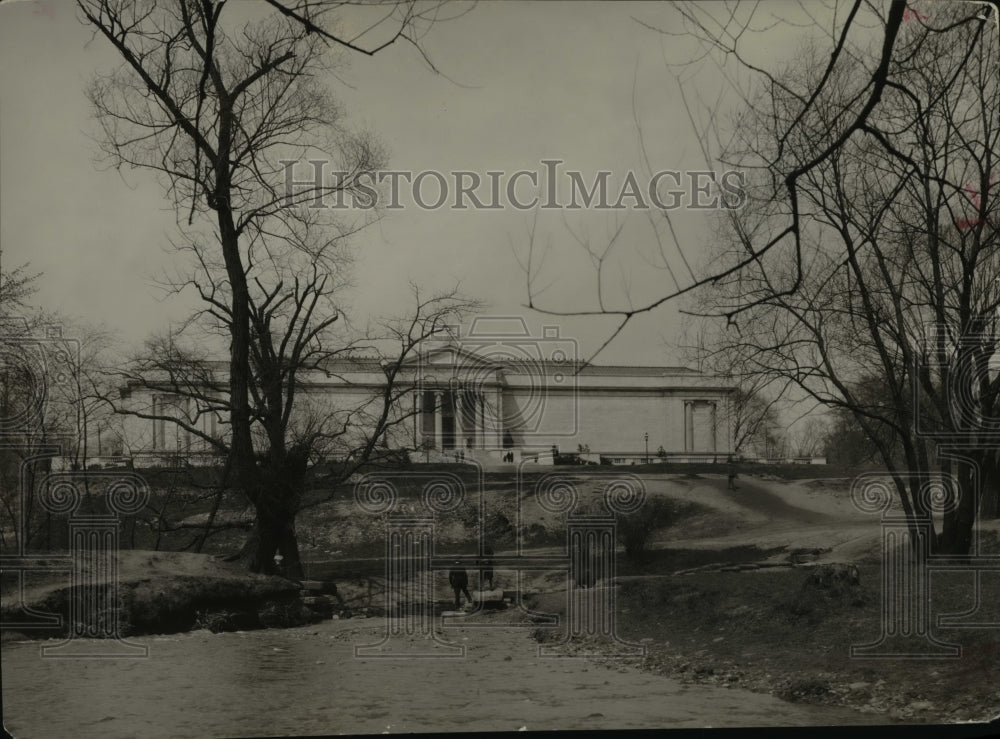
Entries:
{"x":901,"y":701}
{"x":171,"y":592}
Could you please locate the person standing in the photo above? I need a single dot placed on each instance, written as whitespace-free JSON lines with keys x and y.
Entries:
{"x":459,"y":581}
{"x":732,"y":474}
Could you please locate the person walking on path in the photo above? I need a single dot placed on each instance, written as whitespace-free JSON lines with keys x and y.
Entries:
{"x":733,"y":474}
{"x":459,"y":581}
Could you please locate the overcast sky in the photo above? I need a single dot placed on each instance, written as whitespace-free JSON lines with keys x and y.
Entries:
{"x":527,"y":82}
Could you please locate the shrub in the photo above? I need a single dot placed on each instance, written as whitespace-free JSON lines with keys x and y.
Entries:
{"x":826,"y":588}
{"x":284,"y":614}
{"x":536,"y":535}
{"x":218,"y":620}
{"x":635,"y":529}
{"x":804,"y":689}
{"x":499,"y":529}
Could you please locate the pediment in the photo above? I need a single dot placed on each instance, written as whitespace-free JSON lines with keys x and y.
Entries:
{"x":452,"y":356}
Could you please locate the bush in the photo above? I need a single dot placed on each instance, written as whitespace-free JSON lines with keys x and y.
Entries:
{"x":285,"y":614}
{"x":826,"y":588}
{"x":219,"y":620}
{"x":635,"y":529}
{"x":499,"y":529}
{"x":569,"y":458}
{"x":804,"y":689}
{"x":536,"y":535}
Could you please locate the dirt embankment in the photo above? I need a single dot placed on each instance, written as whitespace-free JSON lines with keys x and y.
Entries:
{"x":796,"y":584}
{"x":164,"y":592}
{"x":788,"y":632}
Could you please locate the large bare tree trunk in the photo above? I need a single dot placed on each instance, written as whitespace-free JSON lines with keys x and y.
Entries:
{"x":989,"y":504}
{"x":273,"y":533}
{"x":956,"y":531}
{"x":277,"y":496}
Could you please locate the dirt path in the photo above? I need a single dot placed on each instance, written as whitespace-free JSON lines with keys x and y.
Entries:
{"x":769,"y":514}
{"x":758,"y":497}
{"x":307,"y":681}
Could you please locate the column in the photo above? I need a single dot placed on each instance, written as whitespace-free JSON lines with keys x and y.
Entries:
{"x":474,"y":416}
{"x":438,"y":421}
{"x":470,"y":415}
{"x":482,"y":421}
{"x":469,"y":401}
{"x":715,"y":443}
{"x":459,"y":421}
{"x":730,"y":446}
{"x":498,"y":419}
{"x":418,"y":419}
{"x":688,"y":425}
{"x":477,"y":414}
{"x":186,"y":435}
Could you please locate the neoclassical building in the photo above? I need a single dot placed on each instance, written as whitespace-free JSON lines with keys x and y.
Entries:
{"x":495,"y":403}
{"x":463,"y":400}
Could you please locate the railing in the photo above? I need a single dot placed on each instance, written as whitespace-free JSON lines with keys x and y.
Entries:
{"x":145,"y":460}
{"x":630,"y":458}
{"x":784,"y":460}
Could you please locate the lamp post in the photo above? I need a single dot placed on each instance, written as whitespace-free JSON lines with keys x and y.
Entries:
{"x":645,"y":436}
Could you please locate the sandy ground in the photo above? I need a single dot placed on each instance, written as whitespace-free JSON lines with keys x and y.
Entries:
{"x":800,"y":514}
{"x":308,"y":681}
{"x":807,"y":514}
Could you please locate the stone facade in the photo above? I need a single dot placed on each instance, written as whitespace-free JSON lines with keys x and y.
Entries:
{"x":458,"y":403}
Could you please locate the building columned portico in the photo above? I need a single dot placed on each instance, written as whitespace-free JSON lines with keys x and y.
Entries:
{"x":467,"y":401}
{"x":456,"y":418}
{"x":466,"y":404}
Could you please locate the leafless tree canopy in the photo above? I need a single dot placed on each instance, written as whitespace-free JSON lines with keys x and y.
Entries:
{"x":52,"y":383}
{"x":866,"y":250}
{"x":860,"y":50}
{"x":217,"y":105}
{"x":885,"y":305}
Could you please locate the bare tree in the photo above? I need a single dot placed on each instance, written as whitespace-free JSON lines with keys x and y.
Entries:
{"x":387,"y":22}
{"x":16,"y":286}
{"x":849,"y":443}
{"x":50,"y":408}
{"x":867,"y":35}
{"x":869,"y":163}
{"x":752,"y":411}
{"x":889,"y":308}
{"x":298,"y":338}
{"x":811,"y":437}
{"x":217,"y":106}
